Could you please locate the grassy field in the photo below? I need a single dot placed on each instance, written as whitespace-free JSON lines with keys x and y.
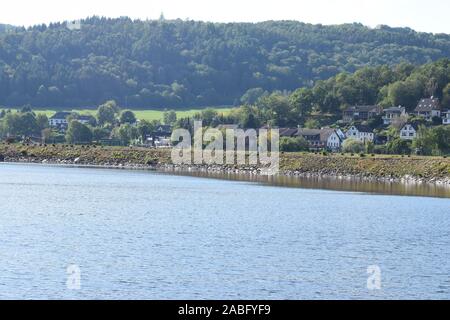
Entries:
{"x":141,"y":114}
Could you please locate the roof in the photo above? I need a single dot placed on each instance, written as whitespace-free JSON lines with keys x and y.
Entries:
{"x":395,"y":110}
{"x":428,"y":105}
{"x":363,"y":109}
{"x":288,"y":132}
{"x":326,"y":133}
{"x":61,"y":115}
{"x":322,"y":134}
{"x":308,"y":132}
{"x":362,"y":128}
{"x":414,"y":125}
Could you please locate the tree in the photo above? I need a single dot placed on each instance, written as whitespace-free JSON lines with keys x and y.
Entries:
{"x":169,"y":117}
{"x":78,"y":133}
{"x":312,"y":124}
{"x":253,"y":95}
{"x":398,"y":146}
{"x":127,"y":116}
{"x":21,"y":124}
{"x":42,"y":121}
{"x":294,"y":144}
{"x":353,"y":146}
{"x":126,"y":133}
{"x":145,"y":128}
{"x":106,"y":113}
{"x":446,"y":96}
{"x":433,"y":141}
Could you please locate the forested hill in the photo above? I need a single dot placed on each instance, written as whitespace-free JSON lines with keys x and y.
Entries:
{"x":184,"y":63}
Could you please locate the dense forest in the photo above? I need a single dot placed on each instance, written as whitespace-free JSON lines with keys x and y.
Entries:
{"x":177,"y":63}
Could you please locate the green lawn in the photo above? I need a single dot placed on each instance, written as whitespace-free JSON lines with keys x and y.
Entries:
{"x":141,"y":114}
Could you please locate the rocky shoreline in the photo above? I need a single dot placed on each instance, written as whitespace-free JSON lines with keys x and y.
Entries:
{"x":389,"y":169}
{"x":222,"y":169}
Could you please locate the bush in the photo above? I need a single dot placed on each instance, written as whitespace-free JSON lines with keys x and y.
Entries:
{"x":353,"y":146}
{"x":297,"y":144}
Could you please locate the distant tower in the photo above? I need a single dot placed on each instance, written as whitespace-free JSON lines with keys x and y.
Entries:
{"x":161,"y":17}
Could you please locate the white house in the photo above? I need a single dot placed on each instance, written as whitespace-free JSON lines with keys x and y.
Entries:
{"x":334,"y":140}
{"x":408,"y":132}
{"x":428,"y":108}
{"x":59,"y":119}
{"x":446,"y":117}
{"x":361,"y":133}
{"x":393,"y":114}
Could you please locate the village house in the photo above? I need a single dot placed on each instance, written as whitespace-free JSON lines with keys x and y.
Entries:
{"x":446,"y":117}
{"x":320,"y":139}
{"x":361,"y":113}
{"x":334,"y":139}
{"x":408,"y":132}
{"x":360,"y":133}
{"x":428,"y":108}
{"x":393,"y":114}
{"x":312,"y":136}
{"x":59,"y":119}
{"x":161,"y":137}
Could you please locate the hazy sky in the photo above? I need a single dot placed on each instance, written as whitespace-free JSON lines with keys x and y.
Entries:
{"x":421,"y":15}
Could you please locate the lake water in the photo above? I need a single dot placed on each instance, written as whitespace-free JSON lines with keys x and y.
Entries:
{"x":146,"y":235}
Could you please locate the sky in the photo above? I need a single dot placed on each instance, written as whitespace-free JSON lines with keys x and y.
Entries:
{"x":421,"y":15}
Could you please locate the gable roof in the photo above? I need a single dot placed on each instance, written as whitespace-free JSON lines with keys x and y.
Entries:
{"x":430,"y":104}
{"x":326,"y":133}
{"x":288,"y":132}
{"x":414,"y":125}
{"x":362,"y":128}
{"x":308,"y":132}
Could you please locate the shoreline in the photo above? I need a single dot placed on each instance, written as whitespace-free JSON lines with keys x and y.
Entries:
{"x":382,"y":169}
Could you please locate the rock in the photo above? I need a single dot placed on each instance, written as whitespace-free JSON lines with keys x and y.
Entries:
{"x":2,"y":158}
{"x":76,"y":160}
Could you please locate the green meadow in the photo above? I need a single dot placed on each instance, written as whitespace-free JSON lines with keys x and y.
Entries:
{"x":141,"y":114}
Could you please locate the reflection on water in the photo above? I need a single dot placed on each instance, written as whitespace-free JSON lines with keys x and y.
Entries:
{"x":354,"y":184}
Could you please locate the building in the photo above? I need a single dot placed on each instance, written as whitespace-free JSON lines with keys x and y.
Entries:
{"x":59,"y":119}
{"x":333,"y":139}
{"x":161,"y":137}
{"x":320,"y":139}
{"x":360,"y":133}
{"x":428,"y":108}
{"x":288,"y":132}
{"x":361,"y":113}
{"x":446,"y":117}
{"x":312,"y":136}
{"x":409,"y":132}
{"x":390,"y":115}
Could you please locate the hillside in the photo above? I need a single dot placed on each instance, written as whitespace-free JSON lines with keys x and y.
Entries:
{"x":188,"y":63}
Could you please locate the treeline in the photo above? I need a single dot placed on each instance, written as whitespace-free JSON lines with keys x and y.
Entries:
{"x":187,"y":63}
{"x":110,"y":122}
{"x":322,"y":104}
